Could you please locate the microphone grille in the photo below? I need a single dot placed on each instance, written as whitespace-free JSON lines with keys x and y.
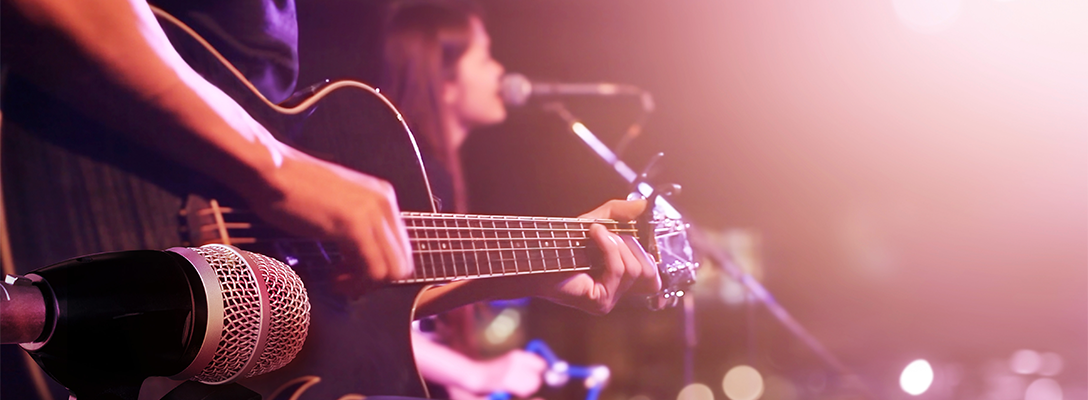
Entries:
{"x":290,"y":314}
{"x":516,"y":89}
{"x":241,"y":338}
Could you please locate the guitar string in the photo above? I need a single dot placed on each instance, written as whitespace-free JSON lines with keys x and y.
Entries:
{"x":515,"y":260}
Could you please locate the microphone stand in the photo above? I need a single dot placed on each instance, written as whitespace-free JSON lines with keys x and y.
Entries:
{"x":702,"y":244}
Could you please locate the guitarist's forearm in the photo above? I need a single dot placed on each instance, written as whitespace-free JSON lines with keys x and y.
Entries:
{"x":112,"y":61}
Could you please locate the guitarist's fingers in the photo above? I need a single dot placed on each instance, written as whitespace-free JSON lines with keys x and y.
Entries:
{"x":621,"y":269}
{"x":649,"y":281}
{"x":400,"y":253}
{"x":367,"y":244}
{"x":620,"y":210}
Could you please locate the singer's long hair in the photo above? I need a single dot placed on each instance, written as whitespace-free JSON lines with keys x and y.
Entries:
{"x":424,"y":40}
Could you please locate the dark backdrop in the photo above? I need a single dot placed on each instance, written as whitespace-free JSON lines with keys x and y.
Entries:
{"x":916,"y":192}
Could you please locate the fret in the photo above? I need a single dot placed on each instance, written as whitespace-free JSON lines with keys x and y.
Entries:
{"x":569,"y":244}
{"x":443,"y":245}
{"x":449,"y":246}
{"x":461,"y":245}
{"x":551,"y":233}
{"x":525,"y":245}
{"x":470,"y":229}
{"x":434,"y":264}
{"x":490,"y":269}
{"x":513,"y":253}
{"x":544,"y":261}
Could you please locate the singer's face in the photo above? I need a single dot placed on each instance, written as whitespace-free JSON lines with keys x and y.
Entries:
{"x":473,"y":97}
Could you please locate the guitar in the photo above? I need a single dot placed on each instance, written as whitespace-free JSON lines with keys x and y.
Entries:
{"x":355,"y":346}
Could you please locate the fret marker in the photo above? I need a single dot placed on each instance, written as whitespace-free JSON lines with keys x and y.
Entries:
{"x":423,"y":246}
{"x":443,"y":245}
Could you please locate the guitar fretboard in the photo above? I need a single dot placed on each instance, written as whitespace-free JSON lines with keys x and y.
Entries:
{"x":448,"y":247}
{"x":456,"y":246}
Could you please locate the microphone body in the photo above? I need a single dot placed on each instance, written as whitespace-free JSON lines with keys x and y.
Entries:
{"x":517,"y":89}
{"x":106,"y":322}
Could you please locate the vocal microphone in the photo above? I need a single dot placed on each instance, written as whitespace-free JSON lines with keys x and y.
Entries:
{"x":516,"y":89}
{"x":103,"y":323}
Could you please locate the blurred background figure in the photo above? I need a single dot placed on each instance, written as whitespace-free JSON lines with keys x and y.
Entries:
{"x":438,"y":70}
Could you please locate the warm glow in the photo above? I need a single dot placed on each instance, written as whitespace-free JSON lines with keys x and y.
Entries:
{"x":742,"y":383}
{"x":916,"y":377}
{"x":1043,"y":389}
{"x":502,"y":326}
{"x":695,"y":391}
{"x":1025,"y":362}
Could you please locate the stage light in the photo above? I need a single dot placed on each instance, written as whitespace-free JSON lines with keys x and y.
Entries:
{"x":742,"y":383}
{"x":1043,"y":389}
{"x":1025,"y":362}
{"x":695,"y":391}
{"x":916,"y":377}
{"x":502,"y":326}
{"x":1051,"y":364}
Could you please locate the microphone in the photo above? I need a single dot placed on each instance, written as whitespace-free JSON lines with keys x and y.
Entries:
{"x":212,"y":314}
{"x":516,"y":90}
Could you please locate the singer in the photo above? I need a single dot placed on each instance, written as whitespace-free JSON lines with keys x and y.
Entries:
{"x":438,"y":69}
{"x":106,"y":129}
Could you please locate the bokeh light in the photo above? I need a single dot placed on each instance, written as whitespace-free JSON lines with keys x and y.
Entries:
{"x":742,"y":383}
{"x":503,"y":326}
{"x":916,"y":377}
{"x":1025,"y":362}
{"x":695,"y":391}
{"x":1043,"y":389}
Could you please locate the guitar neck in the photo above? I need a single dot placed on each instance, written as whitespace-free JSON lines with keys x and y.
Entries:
{"x":448,"y":247}
{"x":445,"y":247}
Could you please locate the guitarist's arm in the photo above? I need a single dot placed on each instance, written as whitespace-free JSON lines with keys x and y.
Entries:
{"x":627,"y":267}
{"x":112,"y":61}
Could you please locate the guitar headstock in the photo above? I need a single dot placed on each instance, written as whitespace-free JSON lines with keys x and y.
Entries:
{"x":664,"y":235}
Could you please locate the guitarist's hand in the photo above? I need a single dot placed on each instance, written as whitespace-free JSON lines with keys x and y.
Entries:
{"x":627,"y":266}
{"x":317,"y":198}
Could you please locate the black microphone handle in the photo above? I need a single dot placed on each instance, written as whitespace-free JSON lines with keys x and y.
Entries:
{"x":120,"y":318}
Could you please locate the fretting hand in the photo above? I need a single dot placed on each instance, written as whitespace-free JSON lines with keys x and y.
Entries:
{"x":627,"y":266}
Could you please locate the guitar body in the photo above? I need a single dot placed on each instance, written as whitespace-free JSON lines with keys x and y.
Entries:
{"x":73,"y":187}
{"x":354,"y":346}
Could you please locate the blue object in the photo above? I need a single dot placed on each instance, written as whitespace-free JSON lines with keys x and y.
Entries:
{"x":559,"y":372}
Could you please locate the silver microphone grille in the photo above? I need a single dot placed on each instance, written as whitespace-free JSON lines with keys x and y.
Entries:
{"x":516,"y":89}
{"x":290,"y":315}
{"x":262,"y":319}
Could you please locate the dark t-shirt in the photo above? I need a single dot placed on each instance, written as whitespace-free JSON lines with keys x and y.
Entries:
{"x":260,"y":37}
